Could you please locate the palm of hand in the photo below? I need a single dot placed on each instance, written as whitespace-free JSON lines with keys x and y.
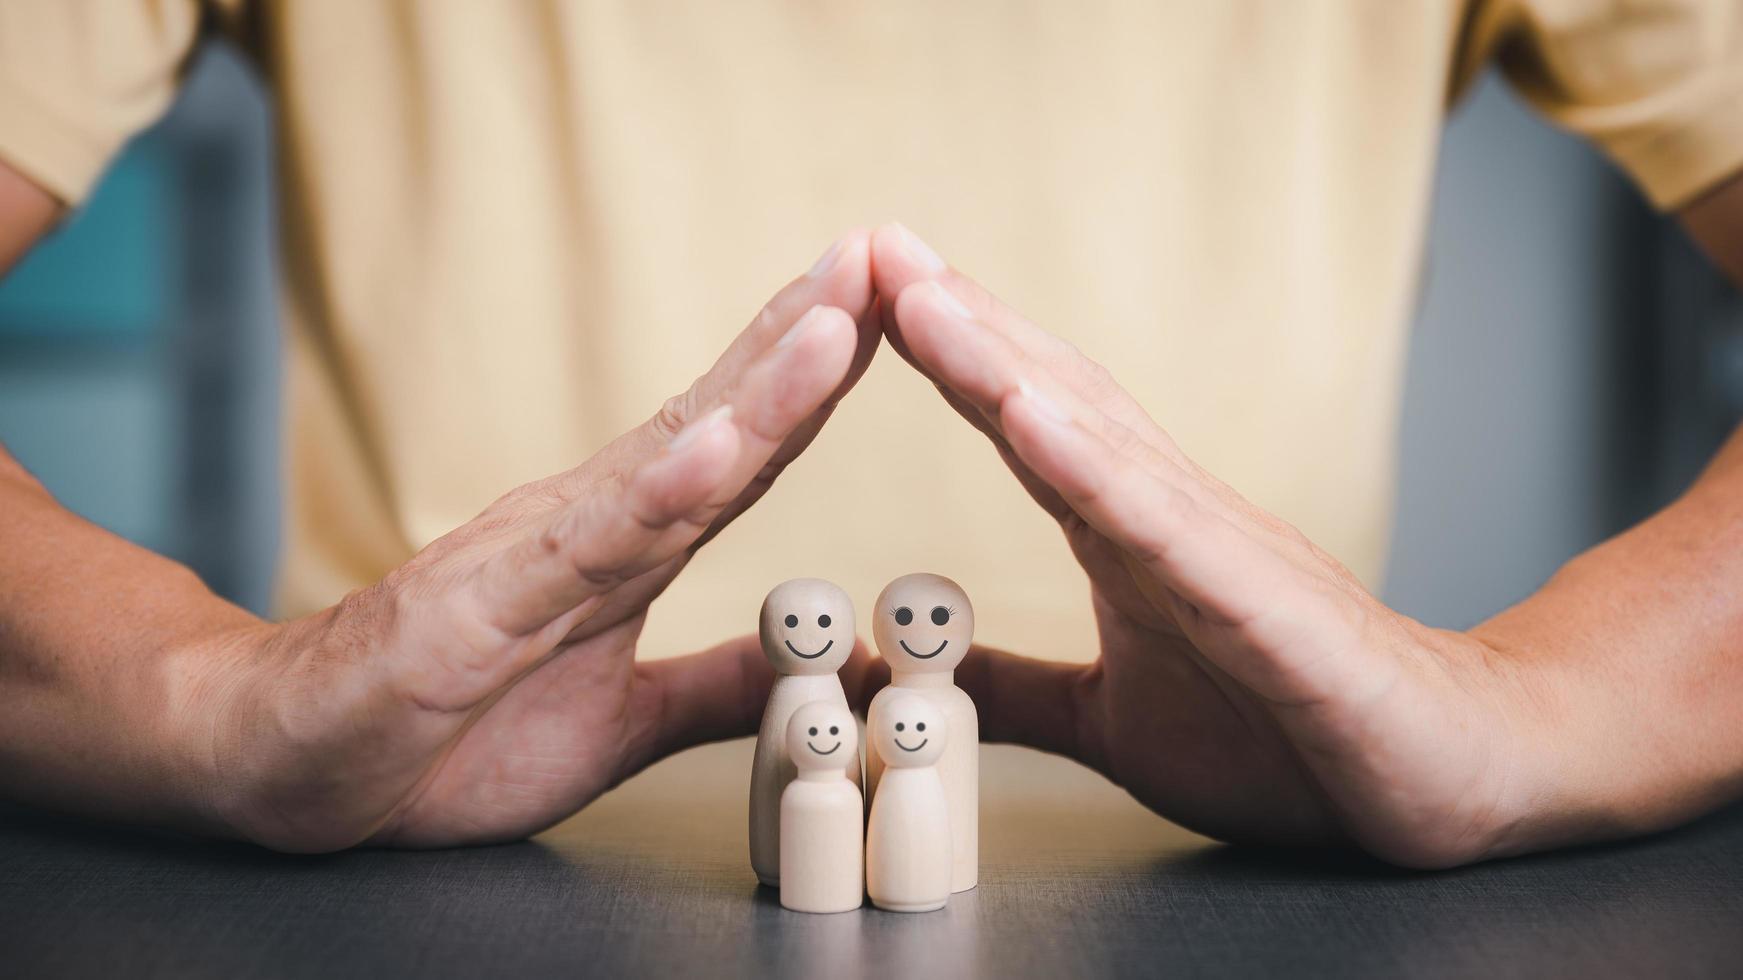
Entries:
{"x":1248,"y":686}
{"x":553,"y":741}
{"x":488,"y":688}
{"x":1404,"y":772}
{"x":1190,"y":743}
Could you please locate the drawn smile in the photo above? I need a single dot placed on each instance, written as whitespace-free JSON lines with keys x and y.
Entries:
{"x":920,"y":656}
{"x":904,"y":748}
{"x":812,"y":656}
{"x":819,"y":751}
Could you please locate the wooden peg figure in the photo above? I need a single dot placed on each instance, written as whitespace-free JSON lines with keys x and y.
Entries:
{"x":907,"y":846}
{"x":822,"y":814}
{"x":807,"y":631}
{"x":923,"y":625}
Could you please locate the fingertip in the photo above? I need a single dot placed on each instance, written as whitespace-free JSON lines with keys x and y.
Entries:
{"x":832,"y":318}
{"x":1033,"y":401}
{"x":843,"y":276}
{"x":858,"y":237}
{"x":955,"y":350}
{"x":932,"y":296}
{"x":884,"y":314}
{"x":899,"y":258}
{"x":914,"y":304}
{"x":798,"y":375}
{"x":693,"y":465}
{"x":826,"y":338}
{"x":1043,"y":436}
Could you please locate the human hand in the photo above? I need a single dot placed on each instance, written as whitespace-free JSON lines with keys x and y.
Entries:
{"x":1248,"y":686}
{"x":488,"y":688}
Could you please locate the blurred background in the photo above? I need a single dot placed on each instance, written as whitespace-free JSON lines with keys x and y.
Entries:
{"x":1574,"y":361}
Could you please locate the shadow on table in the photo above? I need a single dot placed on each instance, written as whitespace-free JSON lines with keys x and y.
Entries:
{"x":867,"y":941}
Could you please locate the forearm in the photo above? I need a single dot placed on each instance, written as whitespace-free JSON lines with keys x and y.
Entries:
{"x":113,"y":662}
{"x":1630,"y":667}
{"x":27,"y":212}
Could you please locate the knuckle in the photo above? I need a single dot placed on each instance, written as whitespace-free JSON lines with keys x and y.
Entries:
{"x":673,"y":414}
{"x":552,"y":539}
{"x":573,"y":538}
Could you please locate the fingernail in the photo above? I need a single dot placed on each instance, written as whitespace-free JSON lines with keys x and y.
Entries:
{"x":826,"y":261}
{"x":1046,"y":407}
{"x":950,"y":301}
{"x":921,"y":251}
{"x":793,"y":333}
{"x":695,"y":429}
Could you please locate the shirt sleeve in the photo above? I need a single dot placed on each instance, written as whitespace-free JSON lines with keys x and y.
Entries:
{"x":1657,"y":84}
{"x":79,"y":77}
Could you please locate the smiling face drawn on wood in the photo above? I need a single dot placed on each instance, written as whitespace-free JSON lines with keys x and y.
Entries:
{"x":822,"y":735}
{"x":807,"y":627}
{"x":910,"y":731}
{"x":923,"y":623}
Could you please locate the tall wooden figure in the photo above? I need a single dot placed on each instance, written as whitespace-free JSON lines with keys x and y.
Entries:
{"x":923,"y":624}
{"x":807,"y":633}
{"x":822,"y":814}
{"x":907,"y":844}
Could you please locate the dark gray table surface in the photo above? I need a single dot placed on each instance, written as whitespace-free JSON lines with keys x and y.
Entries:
{"x":653,"y":879}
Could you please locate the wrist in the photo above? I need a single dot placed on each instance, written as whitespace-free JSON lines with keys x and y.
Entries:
{"x":1568,"y":775}
{"x":217,"y":690}
{"x":1471,"y":707}
{"x":297,"y":730}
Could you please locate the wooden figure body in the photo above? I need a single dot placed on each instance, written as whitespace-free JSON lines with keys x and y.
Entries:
{"x":923,"y":625}
{"x":822,"y":814}
{"x":907,"y":843}
{"x":807,"y":631}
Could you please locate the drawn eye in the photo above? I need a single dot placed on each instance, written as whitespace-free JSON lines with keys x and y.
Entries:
{"x":823,"y":620}
{"x":834,"y":730}
{"x":901,"y":727}
{"x":904,"y":616}
{"x":920,"y":727}
{"x":940,"y":615}
{"x":813,"y":729}
{"x":791,"y":621}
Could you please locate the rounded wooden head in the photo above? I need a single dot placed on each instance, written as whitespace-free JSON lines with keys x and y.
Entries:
{"x":822,"y":735}
{"x":910,"y":731}
{"x":807,"y":627}
{"x":923,"y":623}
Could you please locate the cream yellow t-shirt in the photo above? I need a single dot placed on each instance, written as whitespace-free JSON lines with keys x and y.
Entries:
{"x":513,"y":228}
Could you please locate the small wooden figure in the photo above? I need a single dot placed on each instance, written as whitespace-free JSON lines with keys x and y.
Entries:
{"x":923,"y":625}
{"x":907,"y":845}
{"x":807,"y":632}
{"x":822,"y":814}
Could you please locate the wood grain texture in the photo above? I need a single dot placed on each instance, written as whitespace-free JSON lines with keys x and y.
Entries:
{"x":1076,"y":880}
